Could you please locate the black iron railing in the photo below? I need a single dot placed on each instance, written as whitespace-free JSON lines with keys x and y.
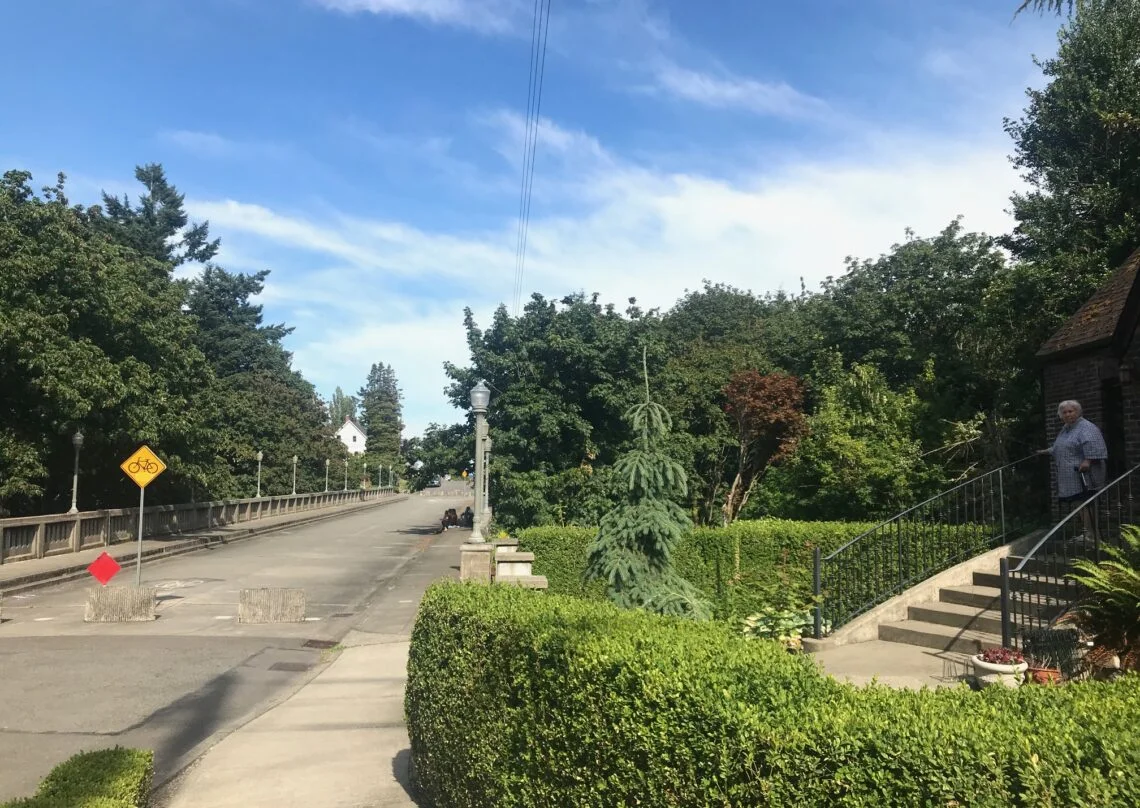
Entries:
{"x":1035,"y":589}
{"x":972,"y":517}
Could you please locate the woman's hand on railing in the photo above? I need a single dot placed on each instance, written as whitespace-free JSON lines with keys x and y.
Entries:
{"x":1043,"y":451}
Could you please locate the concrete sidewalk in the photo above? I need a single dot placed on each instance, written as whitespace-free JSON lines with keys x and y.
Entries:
{"x":339,"y":741}
{"x":21,"y":576}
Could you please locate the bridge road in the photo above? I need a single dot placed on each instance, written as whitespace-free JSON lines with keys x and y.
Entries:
{"x":178,"y":684}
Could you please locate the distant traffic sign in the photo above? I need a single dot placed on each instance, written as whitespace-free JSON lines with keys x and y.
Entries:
{"x":103,"y":568}
{"x":143,"y":466}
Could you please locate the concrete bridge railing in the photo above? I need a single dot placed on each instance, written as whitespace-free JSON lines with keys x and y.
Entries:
{"x":29,"y":537}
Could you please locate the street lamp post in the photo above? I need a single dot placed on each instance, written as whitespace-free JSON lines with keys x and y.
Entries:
{"x":391,"y":483}
{"x":77,"y":442}
{"x":294,"y":475}
{"x":346,"y":473}
{"x":259,"y":458}
{"x":480,"y":398}
{"x":367,"y":482}
{"x":327,"y":461}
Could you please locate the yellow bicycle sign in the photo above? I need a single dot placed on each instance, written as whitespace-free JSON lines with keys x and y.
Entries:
{"x":143,"y":466}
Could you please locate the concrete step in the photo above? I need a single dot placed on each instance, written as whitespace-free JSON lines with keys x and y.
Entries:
{"x":981,"y":597}
{"x":958,"y":616}
{"x":525,"y":581}
{"x":1038,"y":586}
{"x":942,"y":638}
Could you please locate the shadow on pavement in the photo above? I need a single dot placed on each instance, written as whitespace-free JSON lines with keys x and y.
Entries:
{"x":419,"y":531}
{"x":402,"y":771}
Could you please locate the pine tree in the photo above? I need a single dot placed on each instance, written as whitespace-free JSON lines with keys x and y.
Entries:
{"x":381,"y":411}
{"x":633,"y":549}
{"x":341,"y":407}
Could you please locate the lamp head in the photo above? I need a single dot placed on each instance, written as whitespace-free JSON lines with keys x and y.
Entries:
{"x":77,"y":439}
{"x":260,"y":457}
{"x":480,"y":397}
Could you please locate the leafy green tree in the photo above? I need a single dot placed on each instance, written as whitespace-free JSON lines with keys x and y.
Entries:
{"x":92,"y":337}
{"x":441,"y":450}
{"x":633,"y":549}
{"x":381,"y":410}
{"x":1078,"y":145}
{"x":341,"y":407}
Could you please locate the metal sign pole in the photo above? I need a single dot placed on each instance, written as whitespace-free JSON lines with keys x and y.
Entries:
{"x":138,"y":555}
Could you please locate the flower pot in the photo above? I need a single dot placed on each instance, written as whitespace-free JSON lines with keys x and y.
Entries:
{"x":991,"y":673}
{"x":1045,"y":676}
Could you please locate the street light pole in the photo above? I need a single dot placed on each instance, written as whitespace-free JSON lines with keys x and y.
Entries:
{"x":77,"y":442}
{"x":480,"y":398}
{"x":326,"y":475}
{"x":367,"y":481}
{"x":346,"y":473}
{"x":259,"y":457}
{"x":391,"y":483}
{"x":294,"y":475}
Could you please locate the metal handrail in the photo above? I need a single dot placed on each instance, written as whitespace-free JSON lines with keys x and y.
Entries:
{"x":916,"y":543}
{"x":927,"y":501}
{"x":1035,"y":598}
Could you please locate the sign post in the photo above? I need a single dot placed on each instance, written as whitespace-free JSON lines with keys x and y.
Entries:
{"x":142,"y":467}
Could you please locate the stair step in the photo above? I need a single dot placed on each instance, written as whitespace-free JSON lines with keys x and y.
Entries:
{"x":1036,"y":585}
{"x":525,"y":581}
{"x":958,"y":616}
{"x":982,"y":597}
{"x":943,"y":638}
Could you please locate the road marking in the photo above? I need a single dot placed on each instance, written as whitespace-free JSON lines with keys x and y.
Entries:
{"x":407,"y":601}
{"x":224,"y":617}
{"x":311,"y":619}
{"x":42,"y":619}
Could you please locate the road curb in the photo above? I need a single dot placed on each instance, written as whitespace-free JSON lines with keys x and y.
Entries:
{"x":180,"y":546}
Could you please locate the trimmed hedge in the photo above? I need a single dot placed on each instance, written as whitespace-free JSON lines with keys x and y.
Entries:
{"x":773,"y":552}
{"x":517,"y":698}
{"x":107,"y":778}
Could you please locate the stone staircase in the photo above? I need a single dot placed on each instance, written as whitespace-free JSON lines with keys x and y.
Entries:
{"x":514,"y":567}
{"x":964,"y":619}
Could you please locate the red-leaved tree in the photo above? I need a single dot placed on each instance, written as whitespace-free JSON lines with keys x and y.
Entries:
{"x":767,"y":411}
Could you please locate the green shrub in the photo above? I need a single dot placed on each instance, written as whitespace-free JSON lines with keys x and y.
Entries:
{"x":107,"y":778}
{"x":516,"y":698}
{"x":773,"y":553}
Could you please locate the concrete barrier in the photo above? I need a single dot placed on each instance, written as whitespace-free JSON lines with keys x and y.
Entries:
{"x":271,"y":606}
{"x":120,"y":604}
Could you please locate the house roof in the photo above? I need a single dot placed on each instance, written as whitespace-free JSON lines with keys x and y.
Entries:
{"x":348,"y":419}
{"x":1109,"y":315}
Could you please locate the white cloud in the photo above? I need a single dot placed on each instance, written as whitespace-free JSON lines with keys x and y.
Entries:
{"x":727,"y":91}
{"x":490,"y":16}
{"x":214,"y":146}
{"x":396,"y":292}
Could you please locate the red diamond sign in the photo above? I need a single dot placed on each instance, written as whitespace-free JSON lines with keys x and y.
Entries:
{"x":104,"y":568}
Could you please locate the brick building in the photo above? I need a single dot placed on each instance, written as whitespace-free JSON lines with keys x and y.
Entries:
{"x":1093,"y":358}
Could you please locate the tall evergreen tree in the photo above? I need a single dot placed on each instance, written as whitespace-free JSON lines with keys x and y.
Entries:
{"x":341,"y":407}
{"x":381,"y":411}
{"x":633,"y":549}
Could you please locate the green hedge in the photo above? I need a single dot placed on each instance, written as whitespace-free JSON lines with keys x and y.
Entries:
{"x":773,"y":552}
{"x":517,"y":698}
{"x":107,"y":778}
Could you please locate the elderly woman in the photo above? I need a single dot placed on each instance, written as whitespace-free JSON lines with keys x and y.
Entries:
{"x":1079,"y":454}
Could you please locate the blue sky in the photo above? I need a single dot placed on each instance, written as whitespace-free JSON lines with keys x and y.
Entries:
{"x":369,"y":152}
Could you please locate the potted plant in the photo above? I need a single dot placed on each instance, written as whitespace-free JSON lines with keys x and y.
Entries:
{"x":1000,"y":666}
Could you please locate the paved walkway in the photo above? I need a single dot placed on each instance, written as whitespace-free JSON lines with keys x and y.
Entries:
{"x":17,"y":575}
{"x":340,"y":741}
{"x":895,"y":664}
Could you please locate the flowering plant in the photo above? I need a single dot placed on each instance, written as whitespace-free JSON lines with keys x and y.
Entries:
{"x":1002,"y":656}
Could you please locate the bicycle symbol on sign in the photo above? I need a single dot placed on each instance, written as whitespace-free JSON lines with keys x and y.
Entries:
{"x":144,"y":465}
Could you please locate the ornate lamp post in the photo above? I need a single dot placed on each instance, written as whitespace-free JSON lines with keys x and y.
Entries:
{"x":77,"y":442}
{"x":391,"y":483}
{"x":480,"y":398}
{"x":366,"y":480}
{"x":259,"y":458}
{"x":294,"y":475}
{"x":346,"y":472}
{"x":327,"y":461}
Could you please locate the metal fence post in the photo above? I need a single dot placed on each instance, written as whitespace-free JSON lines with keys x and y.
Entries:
{"x":817,"y":577}
{"x":1003,"y":568}
{"x":1001,"y":502}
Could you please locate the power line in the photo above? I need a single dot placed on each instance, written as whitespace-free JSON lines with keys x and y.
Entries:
{"x":540,"y":30}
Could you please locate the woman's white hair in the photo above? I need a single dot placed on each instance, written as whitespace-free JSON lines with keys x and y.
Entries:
{"x":1069,"y":403}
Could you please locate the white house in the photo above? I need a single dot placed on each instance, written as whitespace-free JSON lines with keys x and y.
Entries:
{"x":352,"y":436}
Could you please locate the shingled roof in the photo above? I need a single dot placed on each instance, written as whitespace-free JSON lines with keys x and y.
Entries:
{"x":1106,"y":316}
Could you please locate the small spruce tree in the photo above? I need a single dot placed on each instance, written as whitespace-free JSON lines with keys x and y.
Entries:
{"x":633,"y":548}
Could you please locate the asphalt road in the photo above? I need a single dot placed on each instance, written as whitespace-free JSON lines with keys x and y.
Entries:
{"x":179,"y":683}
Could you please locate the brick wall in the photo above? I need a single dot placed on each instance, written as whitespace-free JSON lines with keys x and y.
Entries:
{"x":1078,"y":379}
